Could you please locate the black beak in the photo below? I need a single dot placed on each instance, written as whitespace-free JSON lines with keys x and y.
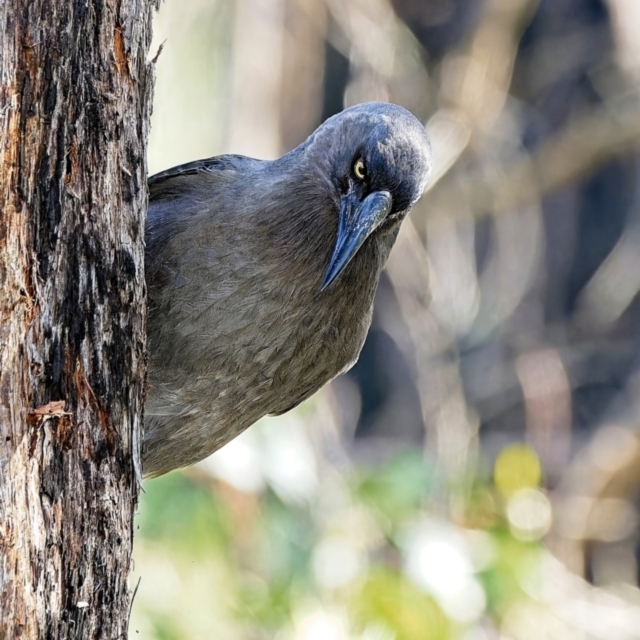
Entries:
{"x":357,"y":221}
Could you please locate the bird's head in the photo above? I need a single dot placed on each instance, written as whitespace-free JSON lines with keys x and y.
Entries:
{"x":376,"y":158}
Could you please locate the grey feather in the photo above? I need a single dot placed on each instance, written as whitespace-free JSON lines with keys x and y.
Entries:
{"x":236,"y":250}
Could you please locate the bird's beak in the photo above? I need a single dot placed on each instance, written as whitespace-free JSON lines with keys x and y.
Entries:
{"x":358,"y":219}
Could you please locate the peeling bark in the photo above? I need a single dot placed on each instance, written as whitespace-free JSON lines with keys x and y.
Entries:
{"x":74,"y":111}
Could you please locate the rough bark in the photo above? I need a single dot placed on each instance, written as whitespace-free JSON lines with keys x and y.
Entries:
{"x":74,"y":106}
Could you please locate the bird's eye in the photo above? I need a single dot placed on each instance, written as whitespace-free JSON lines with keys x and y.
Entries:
{"x":359,"y":170}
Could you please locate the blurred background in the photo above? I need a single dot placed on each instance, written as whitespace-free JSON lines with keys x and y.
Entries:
{"x":476,"y":476}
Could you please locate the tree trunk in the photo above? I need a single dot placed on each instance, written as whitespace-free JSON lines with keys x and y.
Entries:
{"x":74,"y":110}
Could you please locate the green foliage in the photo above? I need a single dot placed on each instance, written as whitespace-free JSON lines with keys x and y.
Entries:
{"x":245,"y":567}
{"x":388,"y":598}
{"x":181,"y":513}
{"x":503,"y":578}
{"x":396,"y":491}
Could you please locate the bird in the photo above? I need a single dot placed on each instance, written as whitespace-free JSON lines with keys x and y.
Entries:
{"x":261,"y":275}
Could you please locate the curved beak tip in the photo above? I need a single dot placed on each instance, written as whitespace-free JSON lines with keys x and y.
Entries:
{"x":358,"y":220}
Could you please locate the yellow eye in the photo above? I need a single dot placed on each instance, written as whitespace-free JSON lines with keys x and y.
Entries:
{"x":359,"y":170}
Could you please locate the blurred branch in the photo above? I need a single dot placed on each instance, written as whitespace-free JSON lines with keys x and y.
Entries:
{"x":385,"y":57}
{"x":451,"y":427}
{"x":588,"y":142}
{"x":594,"y":500}
{"x":477,"y":84}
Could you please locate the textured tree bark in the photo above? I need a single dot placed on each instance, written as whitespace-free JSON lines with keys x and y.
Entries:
{"x":74,"y":109}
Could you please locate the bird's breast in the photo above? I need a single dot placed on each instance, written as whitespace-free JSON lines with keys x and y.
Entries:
{"x":239,"y":331}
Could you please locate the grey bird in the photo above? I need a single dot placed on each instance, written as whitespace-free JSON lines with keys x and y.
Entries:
{"x":261,"y":275}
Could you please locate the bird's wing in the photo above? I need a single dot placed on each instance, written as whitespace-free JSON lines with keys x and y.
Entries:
{"x":165,"y":182}
{"x":187,"y":218}
{"x":197,"y":255}
{"x":176,"y":195}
